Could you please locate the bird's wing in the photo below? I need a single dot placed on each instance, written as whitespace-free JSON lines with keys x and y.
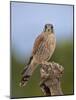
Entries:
{"x":39,"y":40}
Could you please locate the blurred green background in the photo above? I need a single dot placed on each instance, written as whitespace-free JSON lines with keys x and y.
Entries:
{"x":27,"y":22}
{"x":63,"y":55}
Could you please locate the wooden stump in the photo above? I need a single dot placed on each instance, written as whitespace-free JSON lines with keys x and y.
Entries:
{"x":51,"y":74}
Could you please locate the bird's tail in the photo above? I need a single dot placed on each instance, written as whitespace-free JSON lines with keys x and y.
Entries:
{"x":27,"y":72}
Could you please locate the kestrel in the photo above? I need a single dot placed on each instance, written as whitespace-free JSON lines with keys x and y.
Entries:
{"x":43,"y":49}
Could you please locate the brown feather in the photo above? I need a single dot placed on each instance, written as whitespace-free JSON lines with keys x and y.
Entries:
{"x":37,"y":43}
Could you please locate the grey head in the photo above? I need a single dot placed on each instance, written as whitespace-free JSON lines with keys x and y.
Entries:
{"x":48,"y":28}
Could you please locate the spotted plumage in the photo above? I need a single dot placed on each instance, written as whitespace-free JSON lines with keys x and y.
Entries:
{"x":43,"y":49}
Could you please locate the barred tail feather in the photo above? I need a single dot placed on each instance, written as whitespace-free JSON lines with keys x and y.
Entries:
{"x":27,"y":73}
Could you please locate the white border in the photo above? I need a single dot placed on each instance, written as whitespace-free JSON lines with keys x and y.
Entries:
{"x":5,"y":47}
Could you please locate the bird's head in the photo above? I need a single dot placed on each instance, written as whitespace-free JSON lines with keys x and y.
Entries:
{"x":48,"y":28}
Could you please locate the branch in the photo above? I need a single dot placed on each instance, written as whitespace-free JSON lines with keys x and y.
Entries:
{"x":51,"y":74}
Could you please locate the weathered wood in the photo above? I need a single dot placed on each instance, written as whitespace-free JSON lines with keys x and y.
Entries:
{"x":51,"y":74}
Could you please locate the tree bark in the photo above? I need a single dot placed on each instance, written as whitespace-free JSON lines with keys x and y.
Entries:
{"x":51,"y":74}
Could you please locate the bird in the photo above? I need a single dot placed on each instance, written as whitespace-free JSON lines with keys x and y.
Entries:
{"x":43,"y":49}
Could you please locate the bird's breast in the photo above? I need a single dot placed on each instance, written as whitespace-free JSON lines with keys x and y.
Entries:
{"x":46,"y":49}
{"x":51,"y":42}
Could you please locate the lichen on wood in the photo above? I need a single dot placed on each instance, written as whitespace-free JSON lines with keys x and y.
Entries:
{"x":51,"y":74}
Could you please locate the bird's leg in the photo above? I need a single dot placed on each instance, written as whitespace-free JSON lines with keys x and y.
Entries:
{"x":45,"y":63}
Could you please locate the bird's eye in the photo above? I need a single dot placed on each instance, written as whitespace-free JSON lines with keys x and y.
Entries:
{"x":51,"y":26}
{"x":45,"y":26}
